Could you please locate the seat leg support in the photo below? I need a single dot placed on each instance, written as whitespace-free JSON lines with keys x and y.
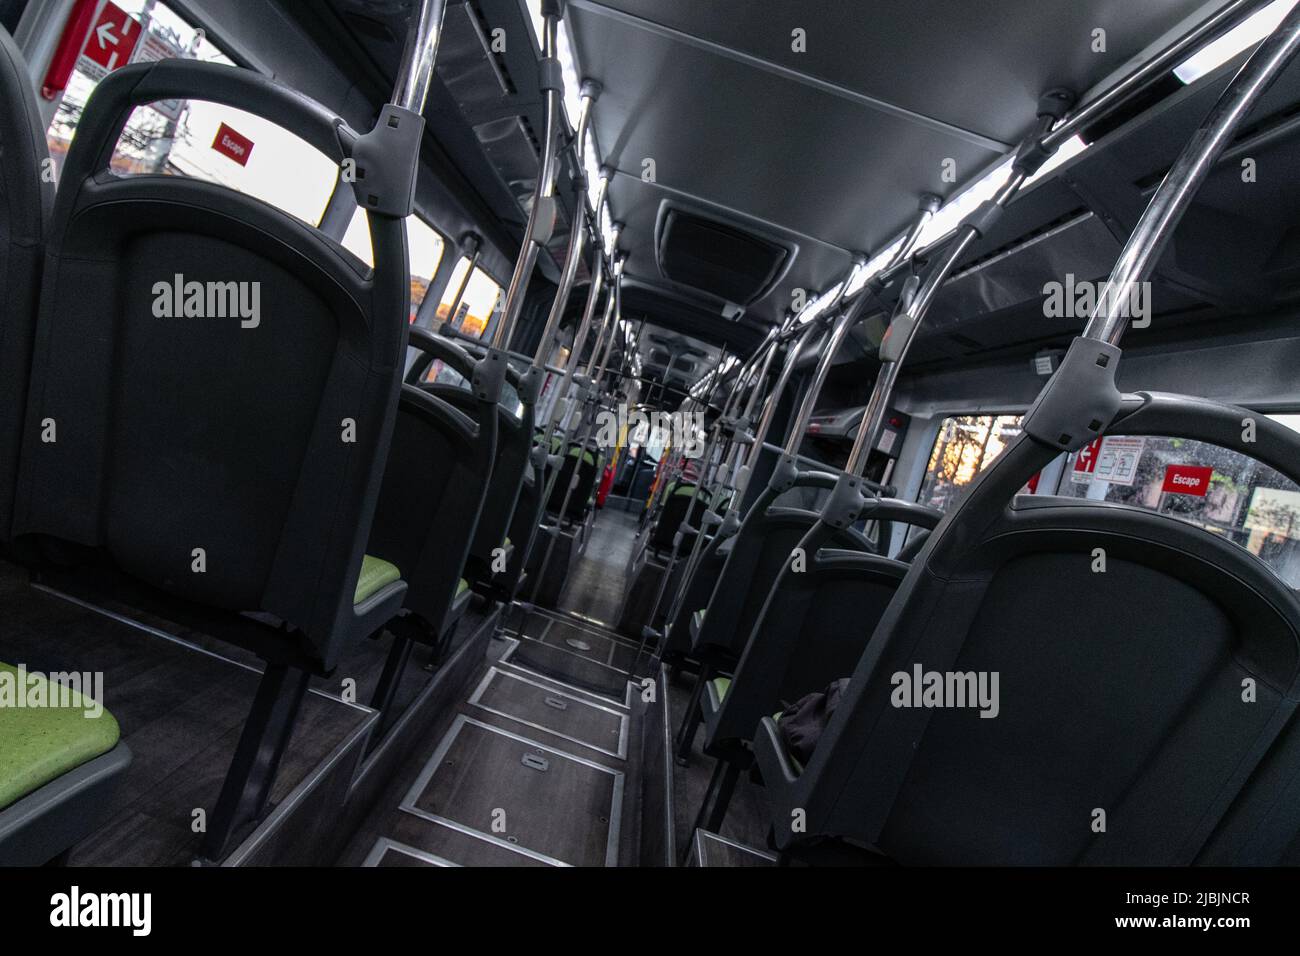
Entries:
{"x":709,"y":792}
{"x":247,"y":786}
{"x":386,"y":690}
{"x":723,"y":800}
{"x":691,"y":720}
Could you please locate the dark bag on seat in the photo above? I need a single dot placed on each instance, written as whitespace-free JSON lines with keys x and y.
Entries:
{"x":801,"y":723}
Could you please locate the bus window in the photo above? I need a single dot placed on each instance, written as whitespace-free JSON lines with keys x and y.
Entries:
{"x":1220,"y":490}
{"x":477,"y":303}
{"x":425,"y":247}
{"x":208,"y":141}
{"x":357,"y":239}
{"x":273,"y":165}
{"x":967,"y":444}
{"x":163,"y":34}
{"x":445,"y":375}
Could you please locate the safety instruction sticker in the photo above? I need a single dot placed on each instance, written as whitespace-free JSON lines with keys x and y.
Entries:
{"x":1113,"y":459}
{"x":151,"y":49}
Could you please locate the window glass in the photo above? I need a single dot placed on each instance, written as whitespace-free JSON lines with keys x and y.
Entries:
{"x":1214,"y":488}
{"x":357,"y":239}
{"x":446,"y":375}
{"x":205,"y":140}
{"x":423,"y":243}
{"x":232,"y":148}
{"x":477,"y":303}
{"x":163,"y":34}
{"x":967,"y":444}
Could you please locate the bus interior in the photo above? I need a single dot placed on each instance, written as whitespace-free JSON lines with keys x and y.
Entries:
{"x":759,"y":433}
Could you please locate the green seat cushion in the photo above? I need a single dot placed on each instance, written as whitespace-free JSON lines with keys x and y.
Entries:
{"x":375,"y":574}
{"x":462,"y":587}
{"x":720,"y":687}
{"x":40,"y":743}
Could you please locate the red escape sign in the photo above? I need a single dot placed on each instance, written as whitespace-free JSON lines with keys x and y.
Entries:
{"x":112,"y":38}
{"x":232,"y":144}
{"x":1187,"y":480}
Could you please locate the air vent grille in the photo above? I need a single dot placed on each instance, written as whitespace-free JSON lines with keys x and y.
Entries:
{"x":719,"y":259}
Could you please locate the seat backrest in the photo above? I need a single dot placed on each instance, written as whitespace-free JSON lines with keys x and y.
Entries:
{"x":259,"y":439}
{"x":699,"y":588}
{"x":1143,"y":713}
{"x":437,"y":478}
{"x":523,"y":527}
{"x":514,"y":442}
{"x":584,"y":459}
{"x":764,"y":545}
{"x":800,"y":641}
{"x":678,"y":499}
{"x":26,"y":200}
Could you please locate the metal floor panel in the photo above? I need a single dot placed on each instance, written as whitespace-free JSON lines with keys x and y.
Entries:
{"x":603,"y":648}
{"x":458,"y":844}
{"x":567,"y":716}
{"x":506,"y":663}
{"x":568,"y":665}
{"x":388,"y":852}
{"x":709,"y":849}
{"x":550,"y":805}
{"x":578,"y":621}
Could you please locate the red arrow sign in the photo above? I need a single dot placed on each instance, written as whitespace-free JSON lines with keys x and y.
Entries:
{"x":112,"y":38}
{"x":1085,"y":462}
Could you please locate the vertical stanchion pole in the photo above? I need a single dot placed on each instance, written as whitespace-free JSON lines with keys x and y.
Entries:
{"x":649,"y":630}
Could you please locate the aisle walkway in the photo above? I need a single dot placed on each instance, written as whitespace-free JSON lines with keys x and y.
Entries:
{"x":536,"y":767}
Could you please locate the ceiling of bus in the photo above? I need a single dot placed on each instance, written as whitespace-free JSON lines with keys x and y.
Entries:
{"x":822,"y":153}
{"x":827,"y":150}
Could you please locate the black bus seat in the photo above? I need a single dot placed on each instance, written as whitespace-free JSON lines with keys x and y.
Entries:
{"x":435,"y":483}
{"x":514,"y":445}
{"x":677,"y":499}
{"x":558,"y":539}
{"x":810,"y":632}
{"x":675,"y":517}
{"x":1143,"y":720}
{"x":59,"y":765}
{"x":524,"y":524}
{"x":579,"y":497}
{"x":510,"y":464}
{"x":763,"y":546}
{"x":682,"y":631}
{"x":240,"y":505}
{"x":26,"y":202}
{"x":655,"y":550}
